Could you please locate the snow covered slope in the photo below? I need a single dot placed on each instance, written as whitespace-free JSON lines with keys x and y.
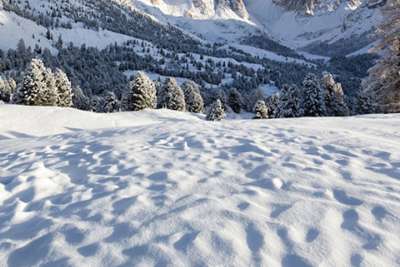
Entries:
{"x":326,"y":23}
{"x":295,"y":23}
{"x":161,"y":188}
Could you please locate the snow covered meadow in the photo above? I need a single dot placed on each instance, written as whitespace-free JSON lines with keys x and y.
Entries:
{"x":166,"y":188}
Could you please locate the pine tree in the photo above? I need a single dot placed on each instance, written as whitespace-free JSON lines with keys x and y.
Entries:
{"x":80,"y":100}
{"x":334,"y":97}
{"x":235,"y":100}
{"x":7,"y":88}
{"x":272,"y":106}
{"x":34,"y":83}
{"x":364,"y":103}
{"x":171,"y":96}
{"x":194,"y":100}
{"x":221,"y":95}
{"x":215,"y":112}
{"x":48,"y":96}
{"x":110,"y":103}
{"x":289,"y":102}
{"x":4,"y":92}
{"x":96,"y":104}
{"x":142,"y":93}
{"x":313,"y":97}
{"x":260,"y":110}
{"x":253,"y":97}
{"x":383,"y":83}
{"x":63,"y":88}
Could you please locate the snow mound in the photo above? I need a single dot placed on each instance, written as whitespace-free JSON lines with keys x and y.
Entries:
{"x":161,"y":188}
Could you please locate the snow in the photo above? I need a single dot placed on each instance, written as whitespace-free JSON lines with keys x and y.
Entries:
{"x":168,"y":188}
{"x":269,"y":55}
{"x":297,"y":30}
{"x":268,"y":89}
{"x":14,"y":28}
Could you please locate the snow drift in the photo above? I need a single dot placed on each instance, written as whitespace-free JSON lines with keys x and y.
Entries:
{"x":161,"y":188}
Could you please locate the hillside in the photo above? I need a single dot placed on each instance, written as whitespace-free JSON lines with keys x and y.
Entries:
{"x":162,"y":188}
{"x":247,"y":45}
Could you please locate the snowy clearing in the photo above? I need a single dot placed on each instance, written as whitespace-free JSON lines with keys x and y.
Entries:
{"x":161,"y":188}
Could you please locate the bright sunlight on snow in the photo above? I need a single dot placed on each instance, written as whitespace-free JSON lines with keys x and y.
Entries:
{"x":165,"y":188}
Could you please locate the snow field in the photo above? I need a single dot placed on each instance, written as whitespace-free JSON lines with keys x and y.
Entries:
{"x":161,"y":188}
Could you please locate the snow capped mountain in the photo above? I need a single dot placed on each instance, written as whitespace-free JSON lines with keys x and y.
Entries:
{"x":295,"y":23}
{"x":243,"y":44}
{"x":197,"y":9}
{"x":310,"y":6}
{"x":324,"y":21}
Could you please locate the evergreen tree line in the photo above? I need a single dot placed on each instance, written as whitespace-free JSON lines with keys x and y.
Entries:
{"x":42,"y":86}
{"x":98,"y":71}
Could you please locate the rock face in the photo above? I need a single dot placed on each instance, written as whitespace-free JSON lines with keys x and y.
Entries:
{"x":237,"y":6}
{"x":309,"y":7}
{"x":295,"y":23}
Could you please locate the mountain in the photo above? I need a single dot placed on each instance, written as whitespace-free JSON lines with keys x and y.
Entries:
{"x":220,"y":44}
{"x":294,"y":23}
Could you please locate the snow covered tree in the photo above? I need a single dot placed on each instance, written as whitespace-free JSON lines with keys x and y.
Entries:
{"x":252,"y":97}
{"x":194,"y":100}
{"x":313,"y":96}
{"x":221,"y":95}
{"x":96,"y":104}
{"x":48,"y":96}
{"x":80,"y":100}
{"x":235,"y":100}
{"x":63,"y":88}
{"x":272,"y":106}
{"x":142,"y":93}
{"x":4,"y":91}
{"x":260,"y":110}
{"x":34,"y":84}
{"x":364,"y":103}
{"x":383,"y":82}
{"x":7,"y":88}
{"x":110,"y":103}
{"x":171,"y":96}
{"x":216,"y":111}
{"x":334,"y":97}
{"x":289,"y":102}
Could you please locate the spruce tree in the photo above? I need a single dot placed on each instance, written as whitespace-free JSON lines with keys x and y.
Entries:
{"x":7,"y":88}
{"x":142,"y":93}
{"x":235,"y":100}
{"x":110,"y":103}
{"x":80,"y":100}
{"x":272,"y":106}
{"x":30,"y":92}
{"x":260,"y":110}
{"x":216,"y":111}
{"x":96,"y":104}
{"x":364,"y":103}
{"x":194,"y":100}
{"x":48,"y":96}
{"x":171,"y":96}
{"x":313,"y":96}
{"x":334,"y":97}
{"x":63,"y":88}
{"x":289,"y":102}
{"x":253,"y":97}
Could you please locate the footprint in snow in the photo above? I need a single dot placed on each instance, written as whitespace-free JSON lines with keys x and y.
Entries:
{"x":343,"y":198}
